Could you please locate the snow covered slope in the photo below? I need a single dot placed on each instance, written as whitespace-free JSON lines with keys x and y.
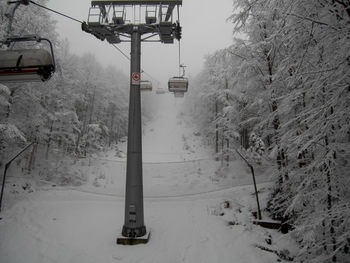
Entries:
{"x":193,"y":216}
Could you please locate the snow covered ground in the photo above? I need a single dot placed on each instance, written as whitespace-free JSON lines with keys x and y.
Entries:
{"x":194,"y":214}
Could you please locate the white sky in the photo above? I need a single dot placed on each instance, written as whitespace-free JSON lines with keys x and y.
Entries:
{"x":204,"y":30}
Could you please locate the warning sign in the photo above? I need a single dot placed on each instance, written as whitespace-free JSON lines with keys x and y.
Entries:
{"x":136,"y":78}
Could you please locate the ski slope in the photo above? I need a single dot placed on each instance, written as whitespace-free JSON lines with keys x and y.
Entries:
{"x":193,"y":216}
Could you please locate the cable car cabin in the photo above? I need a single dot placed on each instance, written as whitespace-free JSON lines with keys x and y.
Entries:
{"x":145,"y":85}
{"x":26,"y":65}
{"x":178,"y":84}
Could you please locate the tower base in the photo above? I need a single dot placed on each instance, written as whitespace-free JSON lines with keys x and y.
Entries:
{"x":130,"y":241}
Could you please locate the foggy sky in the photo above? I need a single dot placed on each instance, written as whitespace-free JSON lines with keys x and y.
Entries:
{"x":204,"y":26}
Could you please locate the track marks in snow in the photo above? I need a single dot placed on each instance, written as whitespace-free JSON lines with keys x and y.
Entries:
{"x":70,"y":226}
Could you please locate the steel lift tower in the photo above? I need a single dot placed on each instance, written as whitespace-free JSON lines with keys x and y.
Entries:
{"x":134,"y":21}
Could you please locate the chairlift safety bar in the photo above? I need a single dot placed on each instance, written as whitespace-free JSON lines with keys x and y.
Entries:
{"x":22,"y":39}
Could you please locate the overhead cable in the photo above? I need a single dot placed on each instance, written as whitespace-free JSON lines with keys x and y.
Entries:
{"x":72,"y":18}
{"x":126,"y":56}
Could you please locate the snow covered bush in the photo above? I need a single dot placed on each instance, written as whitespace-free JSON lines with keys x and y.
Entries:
{"x":4,"y":101}
{"x":64,"y":176}
{"x":10,"y":138}
{"x":95,"y":139}
{"x":256,"y":148}
{"x":65,"y":130}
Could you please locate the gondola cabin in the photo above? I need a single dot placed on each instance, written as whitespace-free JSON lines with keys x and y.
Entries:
{"x":145,"y":85}
{"x":26,"y":65}
{"x":178,"y":84}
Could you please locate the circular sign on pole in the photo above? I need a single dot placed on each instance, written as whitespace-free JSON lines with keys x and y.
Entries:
{"x":136,"y":78}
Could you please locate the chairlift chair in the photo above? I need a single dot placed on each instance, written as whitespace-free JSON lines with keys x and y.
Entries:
{"x":178,"y":84}
{"x":145,"y":85}
{"x":23,"y":65}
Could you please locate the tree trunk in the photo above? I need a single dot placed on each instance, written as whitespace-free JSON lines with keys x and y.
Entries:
{"x":49,"y":141}
{"x":10,"y":100}
{"x":222,"y":147}
{"x":228,"y":152}
{"x":216,"y":130}
{"x":92,"y":106}
{"x":244,"y":138}
{"x":31,"y":162}
{"x":111,"y":132}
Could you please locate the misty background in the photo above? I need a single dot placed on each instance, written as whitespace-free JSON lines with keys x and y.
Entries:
{"x":204,"y":29}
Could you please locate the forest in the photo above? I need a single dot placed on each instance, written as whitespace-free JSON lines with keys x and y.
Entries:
{"x":81,"y":109}
{"x":280,"y":94}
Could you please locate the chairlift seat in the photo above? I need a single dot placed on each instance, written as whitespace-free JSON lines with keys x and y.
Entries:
{"x":178,"y":84}
{"x":26,"y":65}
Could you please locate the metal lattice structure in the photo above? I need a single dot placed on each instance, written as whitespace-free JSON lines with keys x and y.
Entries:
{"x":114,"y":20}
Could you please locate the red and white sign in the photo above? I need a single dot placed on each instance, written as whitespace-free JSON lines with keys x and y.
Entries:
{"x":136,"y":78}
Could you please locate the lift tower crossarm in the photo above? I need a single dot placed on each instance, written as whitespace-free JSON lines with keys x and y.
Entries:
{"x":136,"y":2}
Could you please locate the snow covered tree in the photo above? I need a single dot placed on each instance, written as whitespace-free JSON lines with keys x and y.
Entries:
{"x":61,"y":114}
{"x":10,"y":138}
{"x":288,"y":83}
{"x":306,"y":58}
{"x":4,"y":102}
